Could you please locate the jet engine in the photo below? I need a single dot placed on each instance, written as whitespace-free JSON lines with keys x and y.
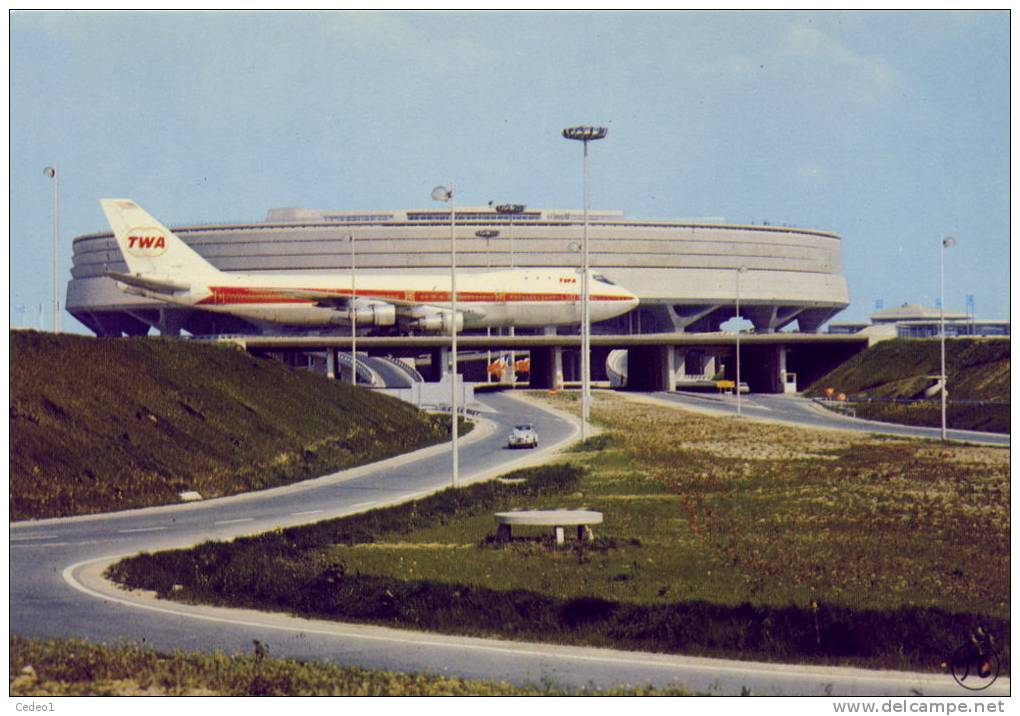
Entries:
{"x":372,"y":313}
{"x":437,"y":322}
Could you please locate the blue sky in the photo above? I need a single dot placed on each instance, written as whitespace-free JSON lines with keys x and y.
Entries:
{"x":890,"y":129}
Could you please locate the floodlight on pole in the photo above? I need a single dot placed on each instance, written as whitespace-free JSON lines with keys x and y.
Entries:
{"x":585,"y":134}
{"x":51,"y":172}
{"x":740,"y":270}
{"x":510,"y":211}
{"x":441,"y":193}
{"x":488,"y":235}
{"x":947,"y":243}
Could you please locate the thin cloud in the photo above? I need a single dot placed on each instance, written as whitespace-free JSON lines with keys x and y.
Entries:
{"x":871,"y":77}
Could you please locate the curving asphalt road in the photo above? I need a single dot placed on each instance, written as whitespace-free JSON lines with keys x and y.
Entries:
{"x":804,"y":411}
{"x":56,"y":588}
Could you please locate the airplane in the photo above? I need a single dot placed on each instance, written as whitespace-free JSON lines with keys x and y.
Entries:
{"x":163,"y":267}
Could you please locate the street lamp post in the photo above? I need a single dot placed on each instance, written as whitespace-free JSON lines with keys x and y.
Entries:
{"x":488,"y":235}
{"x":354,"y":317}
{"x":510,"y":211}
{"x":51,"y":172}
{"x":947,"y":242}
{"x":577,"y":247}
{"x":441,"y":193}
{"x":740,"y":270}
{"x":585,"y":134}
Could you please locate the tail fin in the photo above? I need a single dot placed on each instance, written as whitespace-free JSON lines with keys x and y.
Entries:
{"x":149,"y":248}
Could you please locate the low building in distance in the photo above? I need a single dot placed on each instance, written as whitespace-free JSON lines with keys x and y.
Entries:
{"x":912,"y":320}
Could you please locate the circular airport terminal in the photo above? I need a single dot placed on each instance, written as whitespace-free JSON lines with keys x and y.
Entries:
{"x":688,"y":275}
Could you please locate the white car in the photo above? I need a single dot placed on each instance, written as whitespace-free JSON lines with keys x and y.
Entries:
{"x":523,"y":436}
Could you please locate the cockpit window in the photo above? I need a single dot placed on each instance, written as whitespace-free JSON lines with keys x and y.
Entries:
{"x":602,"y":279}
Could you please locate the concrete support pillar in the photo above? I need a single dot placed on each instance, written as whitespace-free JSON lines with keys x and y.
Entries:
{"x":811,"y":320}
{"x":667,"y":368}
{"x":442,"y":361}
{"x":170,"y":322}
{"x":776,"y":367}
{"x":680,"y":362}
{"x":762,"y":317}
{"x":116,"y":324}
{"x":438,"y":365}
{"x":331,"y":363}
{"x":782,"y":369}
{"x":708,"y":365}
{"x":570,"y":365}
{"x":546,"y":368}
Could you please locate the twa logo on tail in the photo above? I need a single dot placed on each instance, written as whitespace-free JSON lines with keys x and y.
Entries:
{"x":147,"y":241}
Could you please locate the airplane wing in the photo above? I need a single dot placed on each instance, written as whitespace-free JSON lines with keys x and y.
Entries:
{"x":159,"y":284}
{"x":334,"y":299}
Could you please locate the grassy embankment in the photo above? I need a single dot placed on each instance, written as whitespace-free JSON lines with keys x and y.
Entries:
{"x":69,"y":667}
{"x":721,"y":537}
{"x":110,"y":424}
{"x":978,"y":394}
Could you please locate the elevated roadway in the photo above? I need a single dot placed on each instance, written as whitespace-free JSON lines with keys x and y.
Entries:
{"x":657,"y":361}
{"x":478,"y":342}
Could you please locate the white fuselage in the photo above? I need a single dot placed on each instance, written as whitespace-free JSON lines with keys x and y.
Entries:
{"x":526,"y":298}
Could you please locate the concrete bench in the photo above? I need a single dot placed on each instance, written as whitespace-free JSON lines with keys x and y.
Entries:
{"x":557,"y":519}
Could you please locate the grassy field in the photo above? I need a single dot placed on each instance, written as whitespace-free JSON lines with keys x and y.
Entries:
{"x":110,"y":424}
{"x":722,"y":537}
{"x":70,"y":667}
{"x":978,"y":370}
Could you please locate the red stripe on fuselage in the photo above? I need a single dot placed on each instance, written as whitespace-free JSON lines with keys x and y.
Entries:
{"x":232,"y":295}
